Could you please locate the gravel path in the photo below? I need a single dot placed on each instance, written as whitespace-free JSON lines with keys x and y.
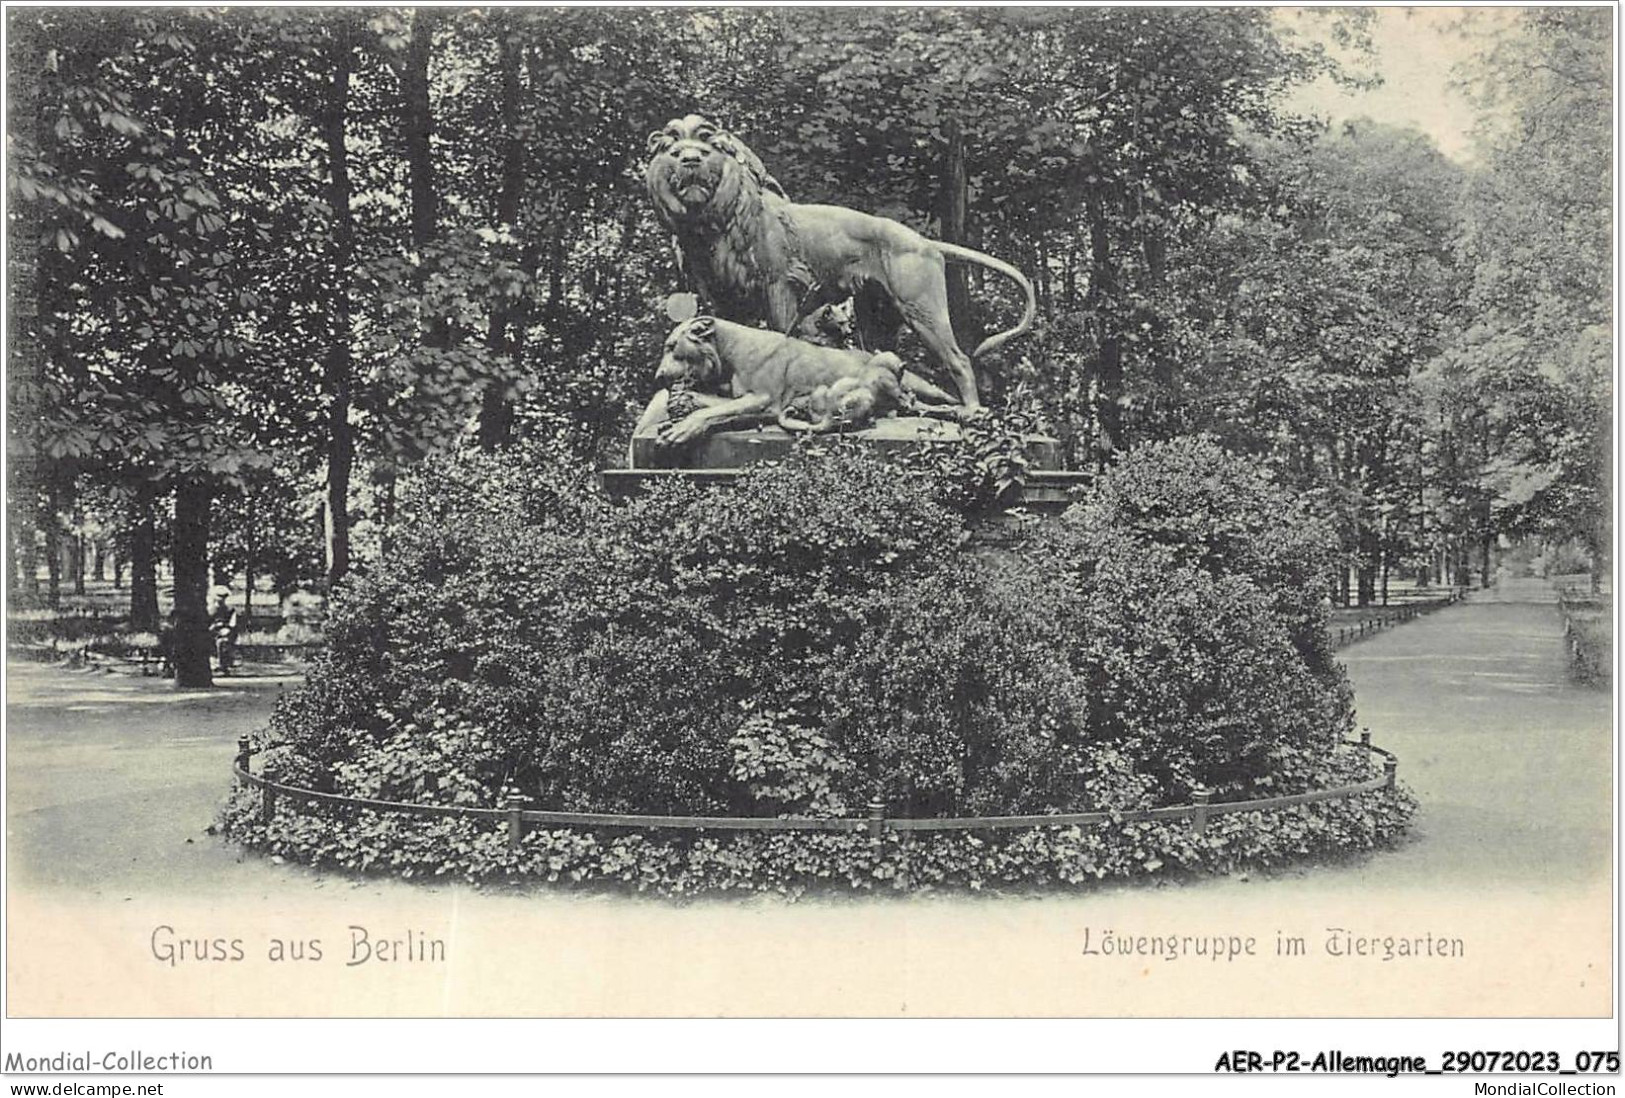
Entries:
{"x":1512,"y":762}
{"x":111,"y":780}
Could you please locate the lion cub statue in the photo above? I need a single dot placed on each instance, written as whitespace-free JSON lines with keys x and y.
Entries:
{"x":854,"y":401}
{"x":758,"y":257}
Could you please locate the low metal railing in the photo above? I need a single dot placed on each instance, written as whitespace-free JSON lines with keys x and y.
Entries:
{"x":516,"y":816}
{"x":1347,"y":634}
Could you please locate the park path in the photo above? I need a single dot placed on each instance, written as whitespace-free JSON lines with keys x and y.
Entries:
{"x":1512,"y":762}
{"x":111,"y":782}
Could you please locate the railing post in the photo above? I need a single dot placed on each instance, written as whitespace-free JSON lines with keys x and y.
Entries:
{"x":1200,"y":799}
{"x":268,"y":795}
{"x":877,"y":819}
{"x":243,"y":755}
{"x":516,"y":822}
{"x":1365,"y":739}
{"x":1389,"y":770}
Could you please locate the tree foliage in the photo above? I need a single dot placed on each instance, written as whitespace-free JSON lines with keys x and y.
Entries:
{"x":1533,"y":369}
{"x":274,"y":252}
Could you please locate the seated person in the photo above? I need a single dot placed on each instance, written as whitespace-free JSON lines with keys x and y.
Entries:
{"x":166,"y":647}
{"x":223,"y":623}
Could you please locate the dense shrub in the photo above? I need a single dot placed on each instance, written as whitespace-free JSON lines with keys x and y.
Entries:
{"x":602,"y":657}
{"x":1187,"y":503}
{"x":816,"y":637}
{"x":44,"y":626}
{"x":1192,"y":605}
{"x":1588,"y":631}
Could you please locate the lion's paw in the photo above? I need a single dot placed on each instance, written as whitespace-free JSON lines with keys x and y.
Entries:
{"x":681,"y":432}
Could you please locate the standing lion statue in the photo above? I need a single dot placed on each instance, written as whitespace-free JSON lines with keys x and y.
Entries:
{"x":757,"y":256}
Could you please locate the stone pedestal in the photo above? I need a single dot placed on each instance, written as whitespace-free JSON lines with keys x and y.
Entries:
{"x":719,"y":458}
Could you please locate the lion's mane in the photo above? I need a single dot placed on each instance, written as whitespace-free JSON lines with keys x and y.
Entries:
{"x":741,"y":238}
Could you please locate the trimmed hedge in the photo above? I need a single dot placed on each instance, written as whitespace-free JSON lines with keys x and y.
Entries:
{"x":817,"y":636}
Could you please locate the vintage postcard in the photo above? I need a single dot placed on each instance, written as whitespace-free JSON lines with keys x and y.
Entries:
{"x":771,"y":512}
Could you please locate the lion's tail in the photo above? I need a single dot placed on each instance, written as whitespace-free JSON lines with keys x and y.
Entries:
{"x":971,"y":255}
{"x":791,"y":423}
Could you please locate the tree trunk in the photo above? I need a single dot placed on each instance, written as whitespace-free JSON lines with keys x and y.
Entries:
{"x":143,"y":561}
{"x":80,"y":549}
{"x":1102,"y":293}
{"x":418,"y":127}
{"x":955,"y":209}
{"x":251,"y":548}
{"x":555,"y":264}
{"x":340,"y":441}
{"x":14,"y":569}
{"x":496,"y":414}
{"x":1423,"y":534}
{"x":27,"y":536}
{"x":1366,"y":570}
{"x":53,"y":547}
{"x":192,"y":643}
{"x":31,"y":312}
{"x":417,"y":123}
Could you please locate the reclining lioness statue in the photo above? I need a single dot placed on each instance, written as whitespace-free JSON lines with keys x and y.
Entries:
{"x":743,"y":377}
{"x":758,"y":257}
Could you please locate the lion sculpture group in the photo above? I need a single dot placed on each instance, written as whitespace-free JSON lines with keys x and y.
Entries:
{"x":757,"y":258}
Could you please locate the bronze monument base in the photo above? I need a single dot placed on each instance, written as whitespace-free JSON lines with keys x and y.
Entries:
{"x":721,"y":457}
